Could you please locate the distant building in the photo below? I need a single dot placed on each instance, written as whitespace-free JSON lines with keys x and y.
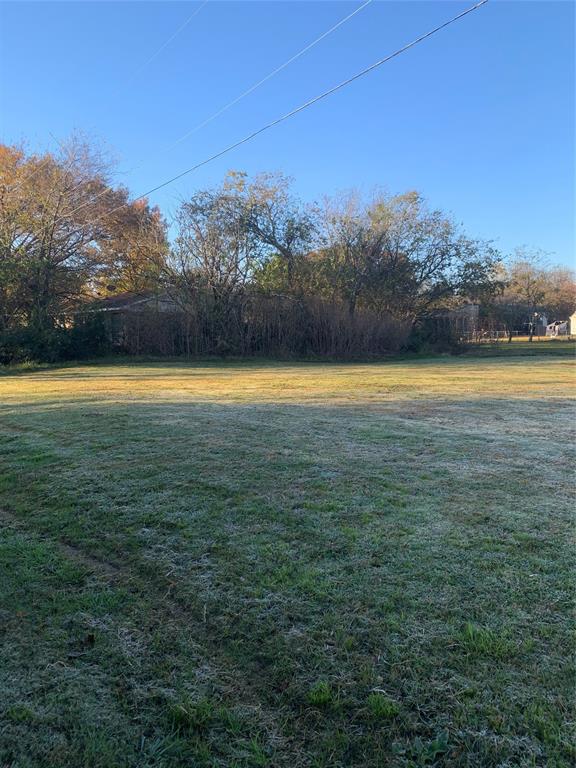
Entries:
{"x":122,"y":311}
{"x":572,"y":324}
{"x":558,"y":328}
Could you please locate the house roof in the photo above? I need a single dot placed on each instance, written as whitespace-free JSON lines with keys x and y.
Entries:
{"x":123,"y":300}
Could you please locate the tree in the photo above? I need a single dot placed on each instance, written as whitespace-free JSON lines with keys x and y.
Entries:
{"x":396,"y":256}
{"x":62,"y":226}
{"x":284,"y":229}
{"x":133,"y":251}
{"x":42,"y":233}
{"x":215,"y":256}
{"x":508,"y":312}
{"x":560,"y":293}
{"x":528,"y":288}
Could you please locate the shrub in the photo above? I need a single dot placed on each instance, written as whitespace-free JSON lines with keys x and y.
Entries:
{"x":434,"y":335}
{"x":27,"y":344}
{"x":87,"y":338}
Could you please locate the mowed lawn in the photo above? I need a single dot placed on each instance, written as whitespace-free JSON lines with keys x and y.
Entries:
{"x":296,"y":565}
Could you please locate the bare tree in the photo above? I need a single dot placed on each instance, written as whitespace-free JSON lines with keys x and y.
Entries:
{"x":560,"y":295}
{"x":529,"y":288}
{"x":215,"y":255}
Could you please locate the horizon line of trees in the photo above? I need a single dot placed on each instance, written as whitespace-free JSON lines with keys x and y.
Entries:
{"x":344,"y":276}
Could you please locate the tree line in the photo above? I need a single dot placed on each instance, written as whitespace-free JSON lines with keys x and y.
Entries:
{"x":247,"y":267}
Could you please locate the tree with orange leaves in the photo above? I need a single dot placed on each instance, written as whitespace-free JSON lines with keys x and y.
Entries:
{"x":66,"y":232}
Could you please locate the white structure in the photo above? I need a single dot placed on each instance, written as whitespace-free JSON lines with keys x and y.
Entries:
{"x":557,"y":328}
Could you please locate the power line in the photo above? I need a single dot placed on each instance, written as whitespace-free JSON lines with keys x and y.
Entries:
{"x":166,"y":43}
{"x":142,"y":66}
{"x":248,"y":91}
{"x":290,"y":114}
{"x":309,"y":103}
{"x":268,"y":76}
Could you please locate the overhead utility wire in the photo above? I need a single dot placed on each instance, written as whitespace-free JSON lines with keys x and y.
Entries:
{"x":293,"y":112}
{"x":134,"y":74}
{"x":166,"y":43}
{"x":245,"y":93}
{"x":268,"y":76}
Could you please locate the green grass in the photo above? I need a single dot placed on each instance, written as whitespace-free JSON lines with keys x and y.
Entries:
{"x":546,"y":345}
{"x":305,"y":565}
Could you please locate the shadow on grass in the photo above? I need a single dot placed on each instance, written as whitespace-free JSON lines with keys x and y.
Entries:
{"x":266,"y":553}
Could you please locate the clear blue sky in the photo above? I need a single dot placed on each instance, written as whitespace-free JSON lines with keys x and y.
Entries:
{"x":480,"y":118}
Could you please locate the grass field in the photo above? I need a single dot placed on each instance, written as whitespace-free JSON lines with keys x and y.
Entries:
{"x":288,"y":565}
{"x":545,"y":345}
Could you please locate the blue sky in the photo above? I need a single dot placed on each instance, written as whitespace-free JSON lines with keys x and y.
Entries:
{"x":480,"y":118}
